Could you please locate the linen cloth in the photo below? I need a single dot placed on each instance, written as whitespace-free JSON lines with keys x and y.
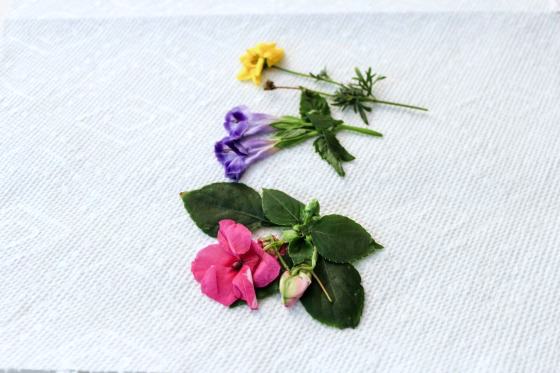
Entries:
{"x":145,"y":8}
{"x":104,"y":122}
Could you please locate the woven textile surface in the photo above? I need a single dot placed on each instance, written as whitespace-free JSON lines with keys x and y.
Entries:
{"x":104,"y":122}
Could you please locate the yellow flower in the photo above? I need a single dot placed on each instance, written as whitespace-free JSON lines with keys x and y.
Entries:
{"x":258,"y":58}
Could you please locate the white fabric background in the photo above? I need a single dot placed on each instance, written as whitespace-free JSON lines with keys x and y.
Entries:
{"x":127,"y":8}
{"x":104,"y":122}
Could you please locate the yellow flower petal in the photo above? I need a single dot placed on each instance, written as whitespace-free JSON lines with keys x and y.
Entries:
{"x":256,"y":59}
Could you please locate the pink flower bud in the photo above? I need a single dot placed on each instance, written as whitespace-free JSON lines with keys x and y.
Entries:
{"x":292,"y":287}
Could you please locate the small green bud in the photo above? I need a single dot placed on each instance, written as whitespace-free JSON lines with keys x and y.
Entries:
{"x":290,"y":235}
{"x":312,"y":208}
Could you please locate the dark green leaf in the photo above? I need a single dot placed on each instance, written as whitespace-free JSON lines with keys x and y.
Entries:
{"x":343,"y":284}
{"x":322,"y":121}
{"x":301,"y":251}
{"x":340,"y":239}
{"x":330,"y":149}
{"x":214,"y":202}
{"x":311,"y":102}
{"x":337,"y":148}
{"x":281,"y":209}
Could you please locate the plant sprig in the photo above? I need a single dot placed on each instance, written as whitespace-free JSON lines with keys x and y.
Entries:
{"x":357,"y":94}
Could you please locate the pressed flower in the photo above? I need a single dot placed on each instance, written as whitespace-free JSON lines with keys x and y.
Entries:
{"x":256,"y":59}
{"x":255,"y":136}
{"x":236,"y":155}
{"x":232,"y":268}
{"x":248,"y":141}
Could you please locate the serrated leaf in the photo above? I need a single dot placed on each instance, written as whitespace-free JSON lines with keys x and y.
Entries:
{"x":343,"y":283}
{"x":281,"y":209}
{"x":301,"y":251}
{"x":340,"y":239}
{"x":310,"y":103}
{"x":330,"y":149}
{"x":218,"y":201}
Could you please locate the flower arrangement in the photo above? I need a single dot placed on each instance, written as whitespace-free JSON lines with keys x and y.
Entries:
{"x":310,"y":260}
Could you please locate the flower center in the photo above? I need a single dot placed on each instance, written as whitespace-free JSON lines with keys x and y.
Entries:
{"x":237,"y":265}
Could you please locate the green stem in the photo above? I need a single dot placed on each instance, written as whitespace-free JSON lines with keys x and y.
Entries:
{"x":284,"y":264}
{"x":290,"y":142}
{"x":301,"y":88}
{"x":322,"y":287}
{"x":397,"y":104}
{"x":308,"y":76}
{"x":365,"y":131}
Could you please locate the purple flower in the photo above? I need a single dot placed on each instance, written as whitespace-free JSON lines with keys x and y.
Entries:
{"x":248,"y":141}
{"x":240,"y":121}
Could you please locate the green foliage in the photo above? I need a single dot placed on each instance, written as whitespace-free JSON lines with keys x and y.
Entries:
{"x":340,"y":239}
{"x":344,"y":286}
{"x":281,"y":209}
{"x":214,"y":202}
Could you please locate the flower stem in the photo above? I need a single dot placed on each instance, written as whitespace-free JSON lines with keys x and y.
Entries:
{"x":322,"y":287}
{"x":376,"y":101}
{"x":291,"y":71}
{"x":308,"y":76}
{"x":282,"y":261}
{"x":301,"y":88}
{"x":365,"y":131}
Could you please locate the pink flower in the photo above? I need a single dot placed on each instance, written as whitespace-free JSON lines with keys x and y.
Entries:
{"x":232,"y":268}
{"x":292,"y":287}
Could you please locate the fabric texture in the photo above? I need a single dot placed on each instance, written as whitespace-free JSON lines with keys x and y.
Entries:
{"x":145,"y":8}
{"x":104,"y":122}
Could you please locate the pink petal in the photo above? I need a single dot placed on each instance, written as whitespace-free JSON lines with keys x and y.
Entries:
{"x":268,"y":268}
{"x":234,"y":237}
{"x":243,"y":287}
{"x":217,"y":284}
{"x":213,"y":255}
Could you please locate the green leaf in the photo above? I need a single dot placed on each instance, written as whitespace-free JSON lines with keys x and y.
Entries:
{"x":301,"y":251}
{"x":310,"y":103}
{"x":322,"y":121}
{"x":343,"y":283}
{"x":281,"y":209}
{"x":214,"y":202}
{"x":330,"y":149}
{"x":340,"y":239}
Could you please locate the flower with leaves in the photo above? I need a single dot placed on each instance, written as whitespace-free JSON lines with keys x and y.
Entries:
{"x":254,"y":136}
{"x":316,"y":252}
